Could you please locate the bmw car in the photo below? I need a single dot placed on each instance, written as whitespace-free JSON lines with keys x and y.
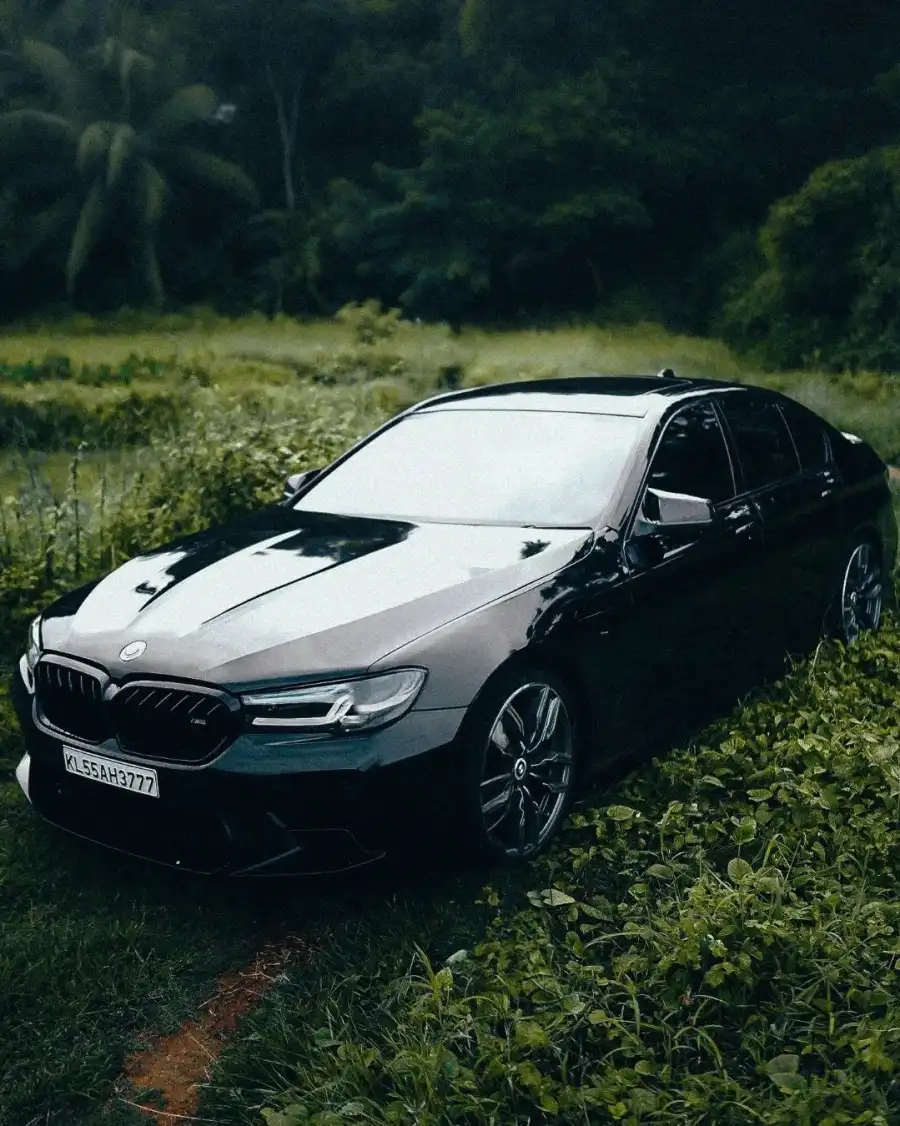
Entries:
{"x":495,"y":595}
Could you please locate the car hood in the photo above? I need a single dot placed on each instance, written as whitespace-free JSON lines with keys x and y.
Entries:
{"x":286,"y":596}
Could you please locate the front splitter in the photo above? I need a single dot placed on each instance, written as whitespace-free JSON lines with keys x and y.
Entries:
{"x":323,"y":852}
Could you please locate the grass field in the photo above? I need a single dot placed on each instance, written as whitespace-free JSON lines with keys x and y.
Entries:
{"x":715,"y":931}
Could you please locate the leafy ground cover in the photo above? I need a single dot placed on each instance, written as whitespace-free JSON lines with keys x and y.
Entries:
{"x":714,"y":940}
{"x":718,"y":931}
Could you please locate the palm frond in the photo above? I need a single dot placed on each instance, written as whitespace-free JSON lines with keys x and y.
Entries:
{"x":189,"y":105}
{"x":93,"y":147}
{"x":28,"y":234}
{"x":148,"y":263}
{"x":209,"y":171}
{"x":106,"y":53}
{"x":135,"y":68}
{"x":150,"y":194}
{"x":24,"y":130}
{"x":58,"y":74}
{"x":121,"y":147}
{"x":87,"y":232}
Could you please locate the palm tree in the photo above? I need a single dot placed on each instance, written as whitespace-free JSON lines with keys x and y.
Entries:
{"x":100,"y":152}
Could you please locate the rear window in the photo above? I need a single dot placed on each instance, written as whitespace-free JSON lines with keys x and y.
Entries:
{"x":763,"y":442}
{"x":810,"y":436}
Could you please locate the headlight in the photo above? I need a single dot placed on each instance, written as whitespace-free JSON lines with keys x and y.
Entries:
{"x":33,"y":652}
{"x":349,"y":705}
{"x":31,"y":655}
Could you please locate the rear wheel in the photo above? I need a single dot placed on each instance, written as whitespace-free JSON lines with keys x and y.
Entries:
{"x":519,"y":770}
{"x":861,"y":594}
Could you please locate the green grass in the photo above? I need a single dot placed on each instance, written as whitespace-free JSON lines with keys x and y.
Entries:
{"x":95,"y":950}
{"x":286,"y":343}
{"x":267,"y":365}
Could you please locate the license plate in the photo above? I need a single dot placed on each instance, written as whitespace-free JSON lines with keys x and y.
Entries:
{"x":122,"y":775}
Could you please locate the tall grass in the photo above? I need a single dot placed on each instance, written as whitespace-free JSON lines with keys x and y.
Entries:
{"x":226,"y":459}
{"x":255,"y":358}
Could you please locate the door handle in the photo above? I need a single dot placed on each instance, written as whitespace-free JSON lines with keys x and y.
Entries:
{"x":745,"y":520}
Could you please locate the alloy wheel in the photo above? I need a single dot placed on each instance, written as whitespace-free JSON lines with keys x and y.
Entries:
{"x":861,"y":594}
{"x":528,"y":770}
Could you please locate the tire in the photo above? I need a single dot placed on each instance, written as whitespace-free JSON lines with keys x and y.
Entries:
{"x":860,"y":596}
{"x":518,"y":785}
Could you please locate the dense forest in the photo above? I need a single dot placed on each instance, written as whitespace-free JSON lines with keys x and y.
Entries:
{"x":722,"y":167}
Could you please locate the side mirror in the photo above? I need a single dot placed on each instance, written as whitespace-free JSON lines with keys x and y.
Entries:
{"x":676,"y":510}
{"x":297,"y":481}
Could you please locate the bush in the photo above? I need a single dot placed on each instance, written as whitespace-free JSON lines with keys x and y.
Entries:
{"x":59,"y":368}
{"x":67,"y":418}
{"x":225,"y":460}
{"x":368,"y":322}
{"x":828,"y":292}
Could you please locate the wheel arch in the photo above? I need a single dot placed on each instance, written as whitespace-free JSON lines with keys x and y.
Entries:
{"x":552,"y":659}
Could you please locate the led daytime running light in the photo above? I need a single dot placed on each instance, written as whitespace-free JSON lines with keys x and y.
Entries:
{"x":347,"y":705}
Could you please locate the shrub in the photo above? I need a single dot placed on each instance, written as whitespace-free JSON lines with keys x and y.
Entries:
{"x":369,"y":322}
{"x":828,"y":290}
{"x":67,"y":418}
{"x":59,"y":368}
{"x":226,"y":459}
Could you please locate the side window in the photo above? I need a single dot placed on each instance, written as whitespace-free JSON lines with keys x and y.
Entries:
{"x":809,"y":436}
{"x":763,"y":441}
{"x":692,"y":457}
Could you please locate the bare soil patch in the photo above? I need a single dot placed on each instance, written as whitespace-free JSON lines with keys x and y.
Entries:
{"x":178,"y":1065}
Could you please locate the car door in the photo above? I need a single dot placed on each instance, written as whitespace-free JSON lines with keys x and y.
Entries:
{"x":815,"y":563}
{"x":696,"y":591}
{"x":799,"y":505}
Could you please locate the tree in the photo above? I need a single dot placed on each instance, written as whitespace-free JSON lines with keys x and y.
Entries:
{"x":522,"y":193}
{"x":828,"y":288}
{"x":98,"y":152}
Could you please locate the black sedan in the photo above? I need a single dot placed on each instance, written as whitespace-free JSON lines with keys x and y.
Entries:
{"x":492,"y":595}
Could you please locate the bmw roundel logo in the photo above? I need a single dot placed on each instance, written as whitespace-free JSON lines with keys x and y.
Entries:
{"x":132,"y":650}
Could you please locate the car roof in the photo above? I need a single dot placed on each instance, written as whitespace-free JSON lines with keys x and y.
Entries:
{"x":635,"y":396}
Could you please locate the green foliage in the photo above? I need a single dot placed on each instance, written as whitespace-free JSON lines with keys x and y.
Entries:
{"x":439,"y":239}
{"x":368,"y":322}
{"x":70,"y":417}
{"x":477,"y":160}
{"x":715,"y":932}
{"x":711,"y":941}
{"x":828,"y":290}
{"x":128,"y":128}
{"x":290,"y":264}
{"x":56,"y":368}
{"x":223,"y":456}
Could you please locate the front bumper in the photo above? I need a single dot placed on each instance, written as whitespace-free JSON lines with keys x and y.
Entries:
{"x":266,"y":806}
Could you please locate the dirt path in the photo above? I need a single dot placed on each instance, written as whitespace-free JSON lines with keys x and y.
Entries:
{"x":179,"y":1064}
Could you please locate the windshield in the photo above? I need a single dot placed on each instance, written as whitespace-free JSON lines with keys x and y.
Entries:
{"x":483,"y":466}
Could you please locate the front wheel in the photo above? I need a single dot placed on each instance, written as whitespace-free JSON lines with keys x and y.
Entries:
{"x":519,"y":766}
{"x":862,"y":593}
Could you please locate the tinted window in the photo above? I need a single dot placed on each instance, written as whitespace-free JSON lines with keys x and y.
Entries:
{"x":692,"y":457}
{"x":763,"y":441}
{"x":484,"y":466}
{"x":808,"y":434}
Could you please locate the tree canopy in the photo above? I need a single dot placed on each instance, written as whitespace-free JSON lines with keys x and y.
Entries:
{"x":479,"y":159}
